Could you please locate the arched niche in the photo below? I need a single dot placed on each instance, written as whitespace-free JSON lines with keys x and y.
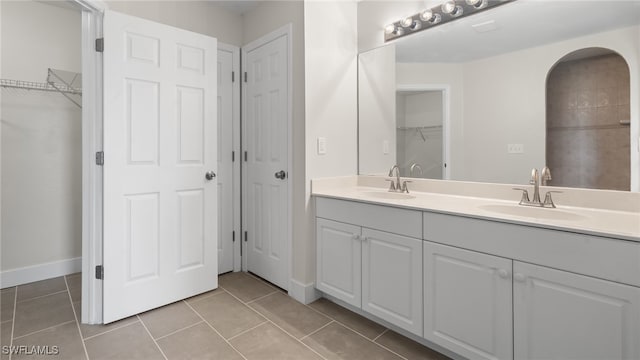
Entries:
{"x":588,"y":120}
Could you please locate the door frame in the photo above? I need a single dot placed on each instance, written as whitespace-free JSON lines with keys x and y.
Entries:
{"x":287,"y":31}
{"x":446,"y":114}
{"x":92,"y":137}
{"x":237,"y":204}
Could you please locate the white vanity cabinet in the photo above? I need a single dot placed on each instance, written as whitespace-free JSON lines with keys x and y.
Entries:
{"x":557,"y":313}
{"x":339,"y":259}
{"x":560,"y":315}
{"x":467,"y":302}
{"x":369,"y":259}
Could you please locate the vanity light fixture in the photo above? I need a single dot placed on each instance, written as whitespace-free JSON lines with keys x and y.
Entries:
{"x":450,"y":10}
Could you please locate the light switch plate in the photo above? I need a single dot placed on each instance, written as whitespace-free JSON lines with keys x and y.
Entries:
{"x":385,"y":147}
{"x":515,"y":148}
{"x":322,"y":146}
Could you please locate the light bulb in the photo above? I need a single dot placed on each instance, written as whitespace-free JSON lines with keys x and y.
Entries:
{"x":478,"y":4}
{"x":406,"y":22}
{"x":450,"y":7}
{"x":430,"y":17}
{"x":389,"y":29}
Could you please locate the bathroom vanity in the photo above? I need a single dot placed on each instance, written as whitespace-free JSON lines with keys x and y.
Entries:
{"x":480,"y":275}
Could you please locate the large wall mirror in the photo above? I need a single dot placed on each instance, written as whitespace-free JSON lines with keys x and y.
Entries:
{"x":489,"y":97}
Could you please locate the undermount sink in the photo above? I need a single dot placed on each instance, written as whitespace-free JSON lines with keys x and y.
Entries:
{"x":532,"y":212}
{"x":389,"y":195}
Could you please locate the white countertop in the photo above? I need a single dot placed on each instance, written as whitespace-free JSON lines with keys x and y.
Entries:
{"x":608,"y":221}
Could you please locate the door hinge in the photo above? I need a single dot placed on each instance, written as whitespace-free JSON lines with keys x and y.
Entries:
{"x":245,"y":156}
{"x":99,"y":272}
{"x":233,"y":76}
{"x":100,"y":45}
{"x":245,"y":236}
{"x":233,"y":236}
{"x":245,"y":76}
{"x":233,"y":156}
{"x":100,"y":158}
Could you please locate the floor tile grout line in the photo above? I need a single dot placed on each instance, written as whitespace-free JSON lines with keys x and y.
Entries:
{"x":45,"y":329}
{"x":318,"y":329}
{"x":247,"y":330}
{"x":382,"y":333}
{"x":177,"y":331}
{"x":110,"y":330}
{"x":221,"y":291}
{"x":283,"y":330}
{"x":261,"y":297}
{"x":151,"y":336}
{"x":264,"y":282}
{"x":216,"y":331}
{"x":13,"y":322}
{"x":75,"y":316}
{"x":370,"y":340}
{"x":41,"y":296}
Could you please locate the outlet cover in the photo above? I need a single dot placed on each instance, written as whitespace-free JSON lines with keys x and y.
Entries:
{"x":322,"y":146}
{"x":515,"y":148}
{"x":385,"y":147}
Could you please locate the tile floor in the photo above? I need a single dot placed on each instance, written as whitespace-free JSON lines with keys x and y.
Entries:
{"x":245,"y":318}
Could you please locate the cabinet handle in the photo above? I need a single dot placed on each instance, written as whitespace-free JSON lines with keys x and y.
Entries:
{"x":503,"y":273}
{"x":364,"y":238}
{"x":355,"y":237}
{"x":519,"y":277}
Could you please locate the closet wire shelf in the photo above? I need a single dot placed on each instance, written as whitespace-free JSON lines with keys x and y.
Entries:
{"x":67,"y":83}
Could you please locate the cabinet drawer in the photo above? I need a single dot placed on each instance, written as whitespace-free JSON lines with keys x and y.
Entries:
{"x":385,"y":218}
{"x":601,"y":257}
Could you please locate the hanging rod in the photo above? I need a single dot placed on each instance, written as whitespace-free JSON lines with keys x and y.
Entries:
{"x":64,"y":82}
{"x":30,"y":85}
{"x":419,"y":127}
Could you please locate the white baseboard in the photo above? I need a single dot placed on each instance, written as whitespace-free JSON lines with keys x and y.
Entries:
{"x":39,"y":272}
{"x":303,"y":293}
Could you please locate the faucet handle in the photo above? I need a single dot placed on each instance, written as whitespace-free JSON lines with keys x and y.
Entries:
{"x":404,"y":186}
{"x":548,"y":201}
{"x":525,"y":196}
{"x":535,"y":177}
{"x":392,"y":186}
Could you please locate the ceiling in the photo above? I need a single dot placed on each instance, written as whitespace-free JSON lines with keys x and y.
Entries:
{"x":518,"y":25}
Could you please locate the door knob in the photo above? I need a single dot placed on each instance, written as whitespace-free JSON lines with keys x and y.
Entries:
{"x":281,"y":175}
{"x":210,"y":175}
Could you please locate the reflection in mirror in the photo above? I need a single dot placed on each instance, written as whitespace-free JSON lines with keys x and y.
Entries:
{"x":499,"y":124}
{"x":588,"y":120}
{"x":419,"y":130}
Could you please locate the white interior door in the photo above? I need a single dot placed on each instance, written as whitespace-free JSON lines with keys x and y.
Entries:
{"x":160,"y":212}
{"x":266,"y":164}
{"x":228,"y":171}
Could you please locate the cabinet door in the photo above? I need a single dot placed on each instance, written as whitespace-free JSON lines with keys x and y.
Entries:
{"x":339,"y":252}
{"x":561,"y":315}
{"x":467,"y":302}
{"x":392,"y":278}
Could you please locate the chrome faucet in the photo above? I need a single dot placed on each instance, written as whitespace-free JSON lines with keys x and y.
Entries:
{"x":415,"y":166}
{"x":536,"y":179}
{"x":397,"y":187}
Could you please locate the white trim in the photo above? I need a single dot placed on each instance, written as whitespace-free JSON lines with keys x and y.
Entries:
{"x":305,"y":294}
{"x":237,"y":214}
{"x":39,"y":272}
{"x":446,"y":114}
{"x":92,"y":17}
{"x":287,"y":31}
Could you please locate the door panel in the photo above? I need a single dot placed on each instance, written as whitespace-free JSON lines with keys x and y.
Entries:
{"x":160,"y":213}
{"x":266,"y":134}
{"x":562,"y":315}
{"x":339,"y":270}
{"x":467,"y":302}
{"x":392,"y":278}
